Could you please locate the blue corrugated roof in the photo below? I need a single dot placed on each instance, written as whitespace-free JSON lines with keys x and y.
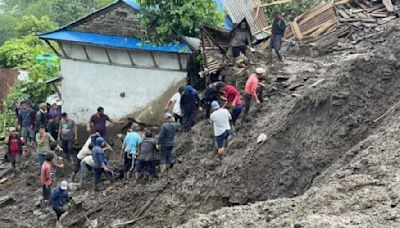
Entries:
{"x":228,"y":24}
{"x":113,"y":41}
{"x":132,"y":3}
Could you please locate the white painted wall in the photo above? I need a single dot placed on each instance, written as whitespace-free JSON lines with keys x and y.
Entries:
{"x":86,"y":86}
{"x":120,"y":56}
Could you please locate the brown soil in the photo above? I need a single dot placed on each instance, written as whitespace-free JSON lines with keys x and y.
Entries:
{"x":308,"y":130}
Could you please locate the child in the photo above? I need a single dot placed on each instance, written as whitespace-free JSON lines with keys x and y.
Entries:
{"x":45,"y":177}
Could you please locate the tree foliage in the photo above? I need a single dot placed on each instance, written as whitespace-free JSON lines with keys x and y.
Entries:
{"x":291,"y":9}
{"x":32,"y":25}
{"x":167,"y":20}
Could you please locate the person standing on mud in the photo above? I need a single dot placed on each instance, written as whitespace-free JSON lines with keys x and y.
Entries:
{"x":251,"y":91}
{"x":97,"y":123}
{"x":16,"y":149}
{"x":221,"y":123}
{"x":43,"y":140}
{"x":129,"y":148}
{"x":233,"y":101}
{"x":26,"y":121}
{"x":241,"y":38}
{"x":147,"y":162}
{"x":67,"y":134}
{"x":58,"y":201}
{"x":176,"y":100}
{"x":278,"y":30}
{"x":166,"y":141}
{"x":99,"y":165}
{"x":190,"y":101}
{"x":45,"y":178}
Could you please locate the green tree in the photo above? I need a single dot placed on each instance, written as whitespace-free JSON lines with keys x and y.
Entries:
{"x":22,"y":52}
{"x":7,"y":31}
{"x":32,"y":25}
{"x":168,"y":20}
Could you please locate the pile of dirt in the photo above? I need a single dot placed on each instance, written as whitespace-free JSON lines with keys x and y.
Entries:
{"x":308,"y":130}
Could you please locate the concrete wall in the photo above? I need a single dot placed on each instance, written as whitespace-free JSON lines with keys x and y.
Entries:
{"x":117,"y":20}
{"x":87,"y":85}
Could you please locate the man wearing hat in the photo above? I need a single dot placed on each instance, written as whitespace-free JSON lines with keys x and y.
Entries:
{"x":166,"y":141}
{"x":59,"y":199}
{"x":221,"y":123}
{"x":251,"y":90}
{"x":15,"y":148}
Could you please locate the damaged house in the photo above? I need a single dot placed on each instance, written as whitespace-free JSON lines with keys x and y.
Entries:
{"x":105,"y":63}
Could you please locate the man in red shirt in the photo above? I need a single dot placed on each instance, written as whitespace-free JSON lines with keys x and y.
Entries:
{"x":45,"y":177}
{"x":233,"y":101}
{"x":251,"y":90}
{"x":15,"y":148}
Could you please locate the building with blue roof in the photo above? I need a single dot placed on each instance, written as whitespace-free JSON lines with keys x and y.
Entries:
{"x":104,"y":63}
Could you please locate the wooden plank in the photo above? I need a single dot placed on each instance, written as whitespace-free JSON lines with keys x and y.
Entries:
{"x":3,"y":180}
{"x":356,"y":11}
{"x":342,"y":13}
{"x":342,"y":2}
{"x":296,"y":30}
{"x":366,"y":20}
{"x":379,"y":15}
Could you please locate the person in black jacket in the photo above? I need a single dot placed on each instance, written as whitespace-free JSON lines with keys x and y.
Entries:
{"x":59,"y":199}
{"x":278,"y":30}
{"x":190,"y":101}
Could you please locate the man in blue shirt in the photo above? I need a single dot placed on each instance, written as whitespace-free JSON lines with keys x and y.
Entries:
{"x":131,"y":143}
{"x":99,"y":165}
{"x":59,"y":199}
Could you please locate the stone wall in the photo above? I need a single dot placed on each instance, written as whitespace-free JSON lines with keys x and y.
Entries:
{"x":117,"y":20}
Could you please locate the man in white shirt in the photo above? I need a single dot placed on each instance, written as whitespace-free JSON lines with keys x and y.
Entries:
{"x":176,"y":100}
{"x":221,"y":122}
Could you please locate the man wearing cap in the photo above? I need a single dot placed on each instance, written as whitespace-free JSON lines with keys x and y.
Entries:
{"x":67,"y":133}
{"x":59,"y":199}
{"x":43,"y":140}
{"x":251,"y":91}
{"x":166,"y":141}
{"x":15,"y":148}
{"x":221,"y":123}
{"x":129,"y":147}
{"x":278,"y":30}
{"x":97,"y":122}
{"x":45,"y":177}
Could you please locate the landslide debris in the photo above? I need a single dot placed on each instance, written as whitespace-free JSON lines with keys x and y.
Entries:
{"x":315,"y":133}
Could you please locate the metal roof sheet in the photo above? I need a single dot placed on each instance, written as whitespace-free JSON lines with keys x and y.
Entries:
{"x":113,"y":41}
{"x":237,"y":10}
{"x":133,"y":4}
{"x":193,"y":42}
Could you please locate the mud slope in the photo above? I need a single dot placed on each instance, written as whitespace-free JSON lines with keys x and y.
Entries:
{"x":307,"y":135}
{"x":308,"y":132}
{"x":361,"y":189}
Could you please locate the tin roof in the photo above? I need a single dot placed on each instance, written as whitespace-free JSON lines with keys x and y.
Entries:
{"x":113,"y":41}
{"x":237,"y":10}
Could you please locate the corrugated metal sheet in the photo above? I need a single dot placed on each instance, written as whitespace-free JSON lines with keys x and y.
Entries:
{"x":239,"y":9}
{"x":113,"y":41}
{"x":193,"y":42}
